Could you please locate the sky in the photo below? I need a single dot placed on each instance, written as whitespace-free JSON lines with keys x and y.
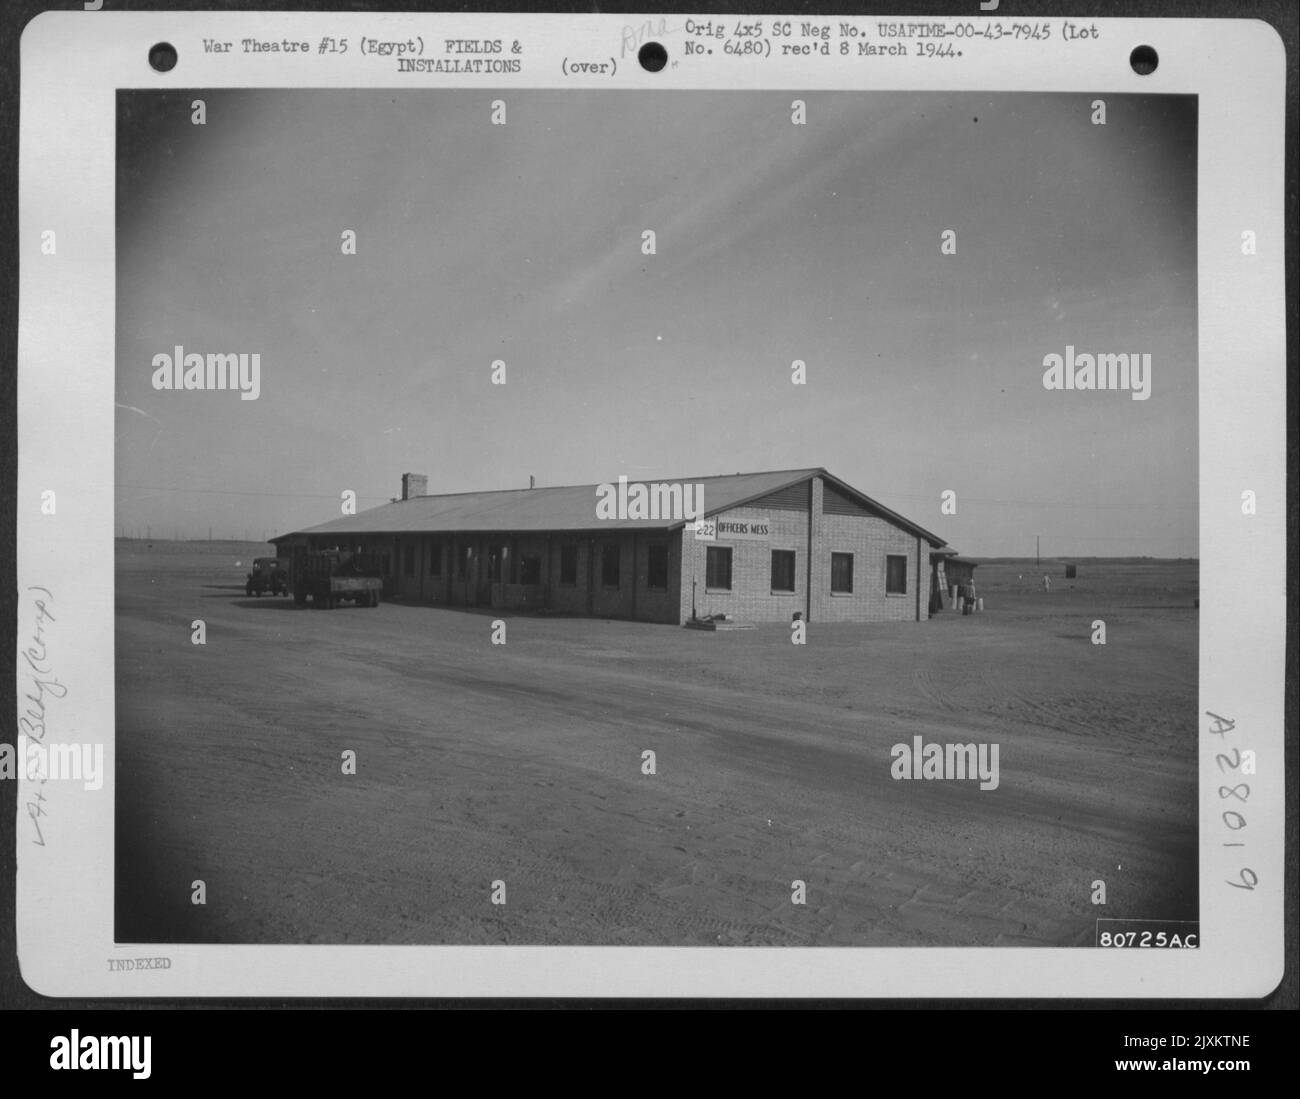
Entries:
{"x":774,"y":242}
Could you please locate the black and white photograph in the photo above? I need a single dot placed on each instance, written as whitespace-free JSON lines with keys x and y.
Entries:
{"x":655,"y":518}
{"x":652,"y":509}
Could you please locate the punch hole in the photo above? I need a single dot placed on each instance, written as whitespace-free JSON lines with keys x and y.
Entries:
{"x":1144,"y":60}
{"x":652,"y":56}
{"x":162,"y":57}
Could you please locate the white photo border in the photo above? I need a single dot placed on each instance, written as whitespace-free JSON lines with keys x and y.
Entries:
{"x":73,"y":64}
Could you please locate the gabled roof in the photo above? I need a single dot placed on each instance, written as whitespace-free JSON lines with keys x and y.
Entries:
{"x":571,"y":508}
{"x":881,"y":510}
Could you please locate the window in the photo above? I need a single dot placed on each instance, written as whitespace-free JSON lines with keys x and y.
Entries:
{"x":717,"y":568}
{"x":408,"y":560}
{"x":656,"y":573}
{"x":435,"y":558}
{"x":895,"y":574}
{"x":462,"y":561}
{"x":609,"y":565}
{"x":496,"y":559}
{"x":569,"y":565}
{"x":783,"y":570}
{"x":842,"y":573}
{"x":386,"y":563}
{"x":530,"y":569}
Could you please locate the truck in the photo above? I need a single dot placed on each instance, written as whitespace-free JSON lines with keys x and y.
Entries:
{"x":333,"y":576}
{"x":268,"y":575}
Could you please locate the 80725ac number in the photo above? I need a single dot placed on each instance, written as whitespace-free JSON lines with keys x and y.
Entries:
{"x":1140,"y":939}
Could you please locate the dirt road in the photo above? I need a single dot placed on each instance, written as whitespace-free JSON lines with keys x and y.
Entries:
{"x":522,"y":763}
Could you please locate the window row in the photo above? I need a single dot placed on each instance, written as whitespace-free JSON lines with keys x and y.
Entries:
{"x":608,"y":564}
{"x":717,"y":571}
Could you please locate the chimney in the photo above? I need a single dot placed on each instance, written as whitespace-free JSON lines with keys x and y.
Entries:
{"x":532,"y":481}
{"x":414,"y":484}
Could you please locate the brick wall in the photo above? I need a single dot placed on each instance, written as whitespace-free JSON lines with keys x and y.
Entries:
{"x":869,"y":539}
{"x":690,"y":565}
{"x":819,"y":562}
{"x":751,"y":597}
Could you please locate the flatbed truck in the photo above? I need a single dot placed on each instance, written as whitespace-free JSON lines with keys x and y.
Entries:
{"x":331,"y":577}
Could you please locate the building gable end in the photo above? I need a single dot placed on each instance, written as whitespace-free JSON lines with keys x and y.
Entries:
{"x":835,"y":502}
{"x":791,"y":498}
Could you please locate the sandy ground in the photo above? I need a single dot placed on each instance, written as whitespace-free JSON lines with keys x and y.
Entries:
{"x":522,"y":763}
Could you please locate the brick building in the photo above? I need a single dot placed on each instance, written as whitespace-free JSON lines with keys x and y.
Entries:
{"x":772,"y":546}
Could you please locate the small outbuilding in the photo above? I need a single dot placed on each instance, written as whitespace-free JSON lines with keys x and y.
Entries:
{"x":948,"y":571}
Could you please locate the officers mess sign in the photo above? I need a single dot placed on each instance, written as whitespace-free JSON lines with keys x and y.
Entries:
{"x":754,"y":530}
